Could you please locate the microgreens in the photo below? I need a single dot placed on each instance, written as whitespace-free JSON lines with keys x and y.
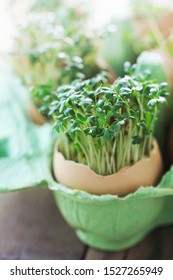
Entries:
{"x":50,"y":51}
{"x":107,"y":126}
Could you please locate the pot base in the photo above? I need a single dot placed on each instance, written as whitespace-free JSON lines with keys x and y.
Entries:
{"x":112,"y":223}
{"x":98,"y":242}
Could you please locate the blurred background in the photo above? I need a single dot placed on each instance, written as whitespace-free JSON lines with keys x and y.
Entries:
{"x":48,"y":43}
{"x":12,"y":12}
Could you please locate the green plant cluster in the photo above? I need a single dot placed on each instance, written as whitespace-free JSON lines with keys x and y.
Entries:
{"x":53,"y":48}
{"x":107,"y":126}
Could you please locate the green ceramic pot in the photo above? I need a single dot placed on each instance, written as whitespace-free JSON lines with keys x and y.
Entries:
{"x":112,"y":223}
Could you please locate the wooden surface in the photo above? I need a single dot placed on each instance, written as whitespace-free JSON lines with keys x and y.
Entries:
{"x":31,"y":227}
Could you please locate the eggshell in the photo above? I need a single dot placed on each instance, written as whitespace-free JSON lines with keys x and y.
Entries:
{"x":74,"y":175}
{"x":35,"y":115}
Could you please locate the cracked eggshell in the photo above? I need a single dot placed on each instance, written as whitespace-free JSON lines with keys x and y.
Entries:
{"x":145,"y":172}
{"x":34,"y":114}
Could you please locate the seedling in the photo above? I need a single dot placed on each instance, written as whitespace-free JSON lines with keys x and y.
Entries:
{"x":50,"y":51}
{"x":107,"y":126}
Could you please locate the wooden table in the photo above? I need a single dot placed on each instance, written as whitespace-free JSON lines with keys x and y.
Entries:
{"x":31,"y":227}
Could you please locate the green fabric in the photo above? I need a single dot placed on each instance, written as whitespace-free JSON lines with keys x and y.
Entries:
{"x":107,"y":221}
{"x":24,"y":147}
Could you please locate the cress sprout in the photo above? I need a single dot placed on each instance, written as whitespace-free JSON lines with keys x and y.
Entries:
{"x":54,"y":48}
{"x":106,"y":126}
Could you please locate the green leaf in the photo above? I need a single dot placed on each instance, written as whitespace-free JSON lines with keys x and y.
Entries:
{"x":62,"y":103}
{"x":163,"y":85}
{"x":81,"y":118}
{"x":125,"y":91}
{"x":106,"y":135}
{"x":127,"y":67}
{"x":90,"y":119}
{"x":76,"y":129}
{"x":89,"y":108}
{"x":108,"y":116}
{"x":161,"y":99}
{"x":86,"y":101}
{"x":101,"y":103}
{"x":116,"y":126}
{"x":58,"y":126}
{"x":68,"y":111}
{"x":99,"y":110}
{"x":152,"y":103}
{"x":108,"y":94}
